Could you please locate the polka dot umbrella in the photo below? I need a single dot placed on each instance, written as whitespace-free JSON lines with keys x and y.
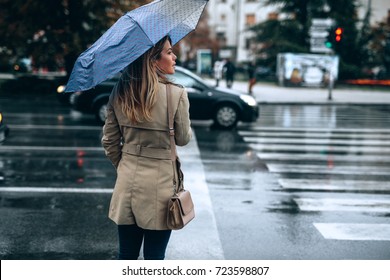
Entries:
{"x":131,"y":36}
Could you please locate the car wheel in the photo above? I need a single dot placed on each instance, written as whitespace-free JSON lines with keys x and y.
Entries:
{"x":101,"y":112}
{"x":226,"y":116}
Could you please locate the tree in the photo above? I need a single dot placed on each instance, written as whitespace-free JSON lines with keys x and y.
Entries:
{"x":292,"y":33}
{"x":380,"y":49}
{"x":275,"y":37}
{"x":51,"y":30}
{"x":198,"y":39}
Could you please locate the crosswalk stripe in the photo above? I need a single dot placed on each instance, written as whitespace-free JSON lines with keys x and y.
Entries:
{"x":354,"y":231}
{"x":319,"y":148}
{"x":54,"y":127}
{"x":54,"y":190}
{"x":334,"y":185}
{"x":328,"y":169}
{"x":328,"y":150}
{"x":48,"y":148}
{"x":343,"y":204}
{"x":314,"y":135}
{"x":322,"y":157}
{"x":319,"y":129}
{"x":309,"y":141}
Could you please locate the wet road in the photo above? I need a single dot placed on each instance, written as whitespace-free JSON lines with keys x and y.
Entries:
{"x":304,"y":182}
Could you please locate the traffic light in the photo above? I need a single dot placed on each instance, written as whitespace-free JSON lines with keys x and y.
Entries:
{"x":329,"y":42}
{"x":335,"y":37}
{"x":338,"y":34}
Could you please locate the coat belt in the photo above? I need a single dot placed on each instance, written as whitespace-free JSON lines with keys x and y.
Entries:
{"x":141,"y":151}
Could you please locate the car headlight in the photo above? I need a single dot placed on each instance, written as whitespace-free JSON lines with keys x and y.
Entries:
{"x":1,"y":117}
{"x":60,"y":89}
{"x":248,"y":100}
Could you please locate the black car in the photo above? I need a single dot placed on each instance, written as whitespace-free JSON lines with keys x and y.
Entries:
{"x":4,"y":130}
{"x":225,"y":106}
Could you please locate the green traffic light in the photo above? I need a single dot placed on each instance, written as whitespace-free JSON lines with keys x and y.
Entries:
{"x":328,"y":45}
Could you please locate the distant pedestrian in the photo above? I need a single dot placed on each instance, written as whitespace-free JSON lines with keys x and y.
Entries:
{"x":230,"y":69}
{"x":218,"y":71}
{"x":251,"y":76}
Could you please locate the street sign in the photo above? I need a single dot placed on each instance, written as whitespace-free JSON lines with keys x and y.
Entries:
{"x":319,"y":32}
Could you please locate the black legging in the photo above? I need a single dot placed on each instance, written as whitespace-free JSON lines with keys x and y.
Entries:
{"x":130,"y":241}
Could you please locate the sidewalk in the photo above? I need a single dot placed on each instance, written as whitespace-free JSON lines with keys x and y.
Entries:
{"x":266,"y":93}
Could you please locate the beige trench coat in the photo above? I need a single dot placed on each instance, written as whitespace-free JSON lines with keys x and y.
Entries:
{"x":141,"y":155}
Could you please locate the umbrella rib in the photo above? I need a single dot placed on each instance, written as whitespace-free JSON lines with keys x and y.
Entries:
{"x":143,"y":31}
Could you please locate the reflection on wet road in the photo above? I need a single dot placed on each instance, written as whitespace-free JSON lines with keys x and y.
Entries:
{"x":291,"y":186}
{"x":330,"y":159}
{"x":316,"y":173}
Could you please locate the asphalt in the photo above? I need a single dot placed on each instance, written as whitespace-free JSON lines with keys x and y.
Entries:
{"x":200,"y":239}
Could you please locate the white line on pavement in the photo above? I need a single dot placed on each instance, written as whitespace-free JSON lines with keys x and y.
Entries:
{"x":59,"y":127}
{"x":54,"y":190}
{"x":343,"y":204}
{"x":361,"y":131}
{"x":340,"y":231}
{"x":320,"y":148}
{"x":190,"y":242}
{"x":323,"y":141}
{"x":334,"y":185}
{"x":314,"y":134}
{"x":323,"y":157}
{"x":48,"y":148}
{"x":328,"y":169}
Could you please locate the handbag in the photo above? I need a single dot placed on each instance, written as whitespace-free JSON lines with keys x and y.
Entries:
{"x":180,"y":206}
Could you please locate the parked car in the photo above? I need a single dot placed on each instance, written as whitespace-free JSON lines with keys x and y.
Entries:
{"x":68,"y":98}
{"x":4,"y":130}
{"x":225,"y":106}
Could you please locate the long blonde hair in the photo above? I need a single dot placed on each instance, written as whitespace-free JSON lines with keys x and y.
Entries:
{"x":138,"y":85}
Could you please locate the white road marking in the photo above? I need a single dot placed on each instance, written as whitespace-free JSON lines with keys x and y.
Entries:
{"x":322,"y":130}
{"x":48,"y":148}
{"x":54,"y":190}
{"x":52,"y":127}
{"x":328,"y":169}
{"x":341,"y":231}
{"x":334,"y":185}
{"x":323,"y":141}
{"x":323,"y":157}
{"x":343,"y":204}
{"x":314,"y":134}
{"x":320,"y":148}
{"x":331,"y":169}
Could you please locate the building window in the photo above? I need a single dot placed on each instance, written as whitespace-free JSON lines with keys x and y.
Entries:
{"x":223,"y":17}
{"x":248,"y":43}
{"x":250,"y":19}
{"x":221,"y":38}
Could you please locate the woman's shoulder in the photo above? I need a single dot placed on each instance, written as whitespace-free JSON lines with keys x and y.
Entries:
{"x":176,"y":86}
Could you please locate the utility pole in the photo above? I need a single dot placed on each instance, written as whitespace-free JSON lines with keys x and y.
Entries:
{"x":238,"y":27}
{"x":330,"y":82}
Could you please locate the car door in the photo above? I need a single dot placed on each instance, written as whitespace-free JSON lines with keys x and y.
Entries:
{"x":200,"y":105}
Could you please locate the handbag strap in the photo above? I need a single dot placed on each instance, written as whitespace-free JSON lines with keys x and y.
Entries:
{"x":171,"y":135}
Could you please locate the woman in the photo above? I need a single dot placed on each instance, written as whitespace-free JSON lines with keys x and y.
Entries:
{"x":136,"y":140}
{"x":251,"y":76}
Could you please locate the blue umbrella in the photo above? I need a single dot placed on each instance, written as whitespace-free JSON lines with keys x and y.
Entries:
{"x":131,"y":36}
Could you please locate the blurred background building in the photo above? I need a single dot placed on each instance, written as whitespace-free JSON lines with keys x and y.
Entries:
{"x":230,"y":19}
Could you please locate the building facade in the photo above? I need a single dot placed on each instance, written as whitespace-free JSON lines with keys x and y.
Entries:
{"x":230,"y":19}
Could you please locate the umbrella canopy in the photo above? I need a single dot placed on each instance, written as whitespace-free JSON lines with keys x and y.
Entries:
{"x":131,"y":36}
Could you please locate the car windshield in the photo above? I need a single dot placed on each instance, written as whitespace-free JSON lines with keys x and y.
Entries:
{"x":188,"y":80}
